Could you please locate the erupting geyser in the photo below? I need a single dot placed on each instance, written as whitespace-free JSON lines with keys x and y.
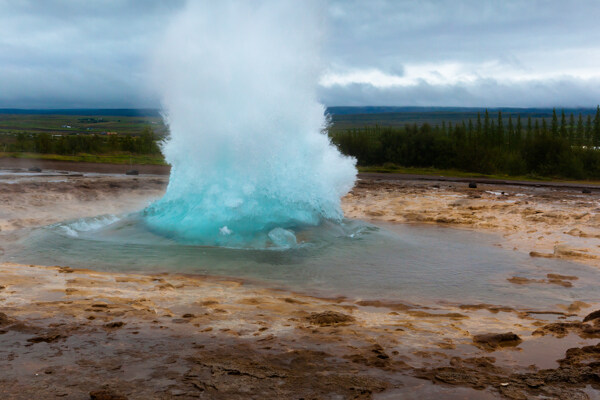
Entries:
{"x":250,"y":161}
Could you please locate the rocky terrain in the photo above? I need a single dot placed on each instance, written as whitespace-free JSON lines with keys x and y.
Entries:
{"x":553,"y":222}
{"x":74,"y":333}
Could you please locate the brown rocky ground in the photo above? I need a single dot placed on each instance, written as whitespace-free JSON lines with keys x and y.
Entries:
{"x":557,"y":222}
{"x":77,"y":334}
{"x":66,"y":332}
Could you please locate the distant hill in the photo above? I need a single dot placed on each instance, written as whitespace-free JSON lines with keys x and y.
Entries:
{"x":117,"y":112}
{"x":468,"y":110}
{"x":344,"y":118}
{"x":153,"y":112}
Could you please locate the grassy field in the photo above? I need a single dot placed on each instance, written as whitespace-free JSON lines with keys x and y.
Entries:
{"x":104,"y":158}
{"x":79,"y":124}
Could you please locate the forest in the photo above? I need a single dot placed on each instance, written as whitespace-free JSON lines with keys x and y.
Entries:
{"x":562,"y":146}
{"x":46,"y":143}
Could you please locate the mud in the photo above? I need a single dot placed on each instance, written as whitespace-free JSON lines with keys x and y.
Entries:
{"x":72,"y":333}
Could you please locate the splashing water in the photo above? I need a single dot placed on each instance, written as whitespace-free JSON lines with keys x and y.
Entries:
{"x":250,"y":162}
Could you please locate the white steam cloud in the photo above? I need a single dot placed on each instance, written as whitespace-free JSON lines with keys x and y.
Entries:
{"x":238,"y":82}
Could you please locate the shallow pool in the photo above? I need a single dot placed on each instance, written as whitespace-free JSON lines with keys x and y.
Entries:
{"x":422,"y":264}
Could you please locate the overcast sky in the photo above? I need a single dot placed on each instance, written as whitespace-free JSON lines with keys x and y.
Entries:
{"x":92,"y":53}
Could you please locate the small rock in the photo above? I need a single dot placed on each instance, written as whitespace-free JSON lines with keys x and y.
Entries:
{"x":35,"y":169}
{"x":472,"y":185}
{"x":534,"y":383}
{"x":47,"y":338}
{"x":592,"y":316}
{"x":379,"y":352}
{"x":491,"y":341}
{"x":562,"y":277}
{"x":114,"y":325}
{"x":328,"y":318}
{"x":106,"y":395}
{"x":132,"y":172}
{"x":586,"y":191}
{"x":4,"y":319}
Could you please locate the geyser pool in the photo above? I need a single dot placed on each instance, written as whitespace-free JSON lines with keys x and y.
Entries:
{"x":248,"y":154}
{"x":352,"y":259}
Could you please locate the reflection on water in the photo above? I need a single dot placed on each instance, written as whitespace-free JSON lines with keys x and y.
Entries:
{"x":357,"y":260}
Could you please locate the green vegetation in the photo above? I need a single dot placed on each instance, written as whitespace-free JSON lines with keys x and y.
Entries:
{"x":563,"y":147}
{"x":116,"y":139}
{"x":44,"y":143}
{"x":123,"y":125}
{"x":344,"y":118}
{"x":108,"y":159}
{"x":540,"y":144}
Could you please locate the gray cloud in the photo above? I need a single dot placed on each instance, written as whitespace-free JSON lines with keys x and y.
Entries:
{"x":67,"y":53}
{"x":78,"y":54}
{"x":484,"y":93}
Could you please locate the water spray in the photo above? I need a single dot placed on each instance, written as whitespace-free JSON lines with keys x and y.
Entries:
{"x":250,"y":162}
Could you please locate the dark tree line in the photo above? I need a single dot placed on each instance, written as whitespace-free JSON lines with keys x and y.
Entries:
{"x":145,"y":143}
{"x":563,"y":146}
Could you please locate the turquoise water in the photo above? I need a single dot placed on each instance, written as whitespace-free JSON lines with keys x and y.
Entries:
{"x":355,"y":259}
{"x":246,"y":130}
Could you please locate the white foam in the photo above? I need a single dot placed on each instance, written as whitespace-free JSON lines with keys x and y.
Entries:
{"x":74,"y":228}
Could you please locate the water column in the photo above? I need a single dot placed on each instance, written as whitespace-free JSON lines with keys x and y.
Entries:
{"x":250,"y":162}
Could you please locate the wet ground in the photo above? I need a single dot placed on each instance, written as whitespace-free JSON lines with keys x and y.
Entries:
{"x":74,"y":333}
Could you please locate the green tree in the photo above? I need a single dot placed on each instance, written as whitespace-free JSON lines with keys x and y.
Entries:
{"x":572,"y":128}
{"x":554,"y":123}
{"x":519,"y":129}
{"x":588,"y":130}
{"x":510,"y":132}
{"x":596,"y":138}
{"x":563,"y":125}
{"x":580,"y":132}
{"x":500,"y":130}
{"x":470,"y":131}
{"x":43,"y":143}
{"x":486,"y":126}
